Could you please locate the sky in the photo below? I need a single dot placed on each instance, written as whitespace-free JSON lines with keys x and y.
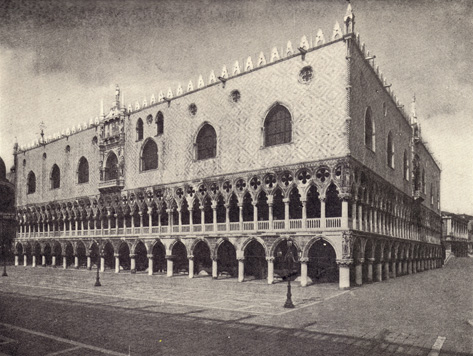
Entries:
{"x":59,"y":58}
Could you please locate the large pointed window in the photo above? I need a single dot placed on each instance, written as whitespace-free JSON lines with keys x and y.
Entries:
{"x":149,"y":155}
{"x":139,"y":130}
{"x":31,"y":183}
{"x":369,"y":130}
{"x":159,"y":123}
{"x":83,"y":171}
{"x":55,"y":177}
{"x":206,"y":143}
{"x":406,"y":166}
{"x":277,"y":126}
{"x":111,"y":167}
{"x":390,"y":151}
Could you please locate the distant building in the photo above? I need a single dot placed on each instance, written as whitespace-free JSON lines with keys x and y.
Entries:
{"x":457,"y":233}
{"x":308,"y":145}
{"x":7,"y":208}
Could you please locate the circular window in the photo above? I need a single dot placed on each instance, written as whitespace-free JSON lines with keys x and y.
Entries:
{"x":306,"y":74}
{"x":149,"y":119}
{"x":235,"y":96}
{"x":68,"y":149}
{"x":44,"y":155}
{"x":193,"y":109}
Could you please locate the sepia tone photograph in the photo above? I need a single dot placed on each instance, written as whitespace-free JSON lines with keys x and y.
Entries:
{"x":216,"y":177}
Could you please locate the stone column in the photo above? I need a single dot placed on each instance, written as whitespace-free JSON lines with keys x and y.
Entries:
{"x":102,"y":263}
{"x":304,"y":261}
{"x":353,"y":215}
{"x":240,"y":217}
{"x":379,"y":271}
{"x":64,"y":262}
{"x":25,"y":260}
{"x":227,"y":217}
{"x":33,"y":262}
{"x":393,"y":267}
{"x":202,"y":217}
{"x":53,"y":263}
{"x":191,"y":266}
{"x":344,"y":214}
{"x":386,"y":269}
{"x":359,"y":272}
{"x":214,"y":215}
{"x":304,"y":214}
{"x":89,"y":263}
{"x":255,"y":215}
{"x":117,"y":262}
{"x":404,"y":266}
{"x":17,"y":260}
{"x":361,"y":221}
{"x":399,"y":268}
{"x":150,"y":264}
{"x":132,"y":263}
{"x":270,"y":269}
{"x":286,"y":213}
{"x":214,"y":268}
{"x":43,"y":260}
{"x":322,"y":213}
{"x":344,"y":273}
{"x":150,"y":219}
{"x":179,"y":218}
{"x":369,"y":270}
{"x":170,"y":266}
{"x":191,"y":220}
{"x":76,"y":261}
{"x":241,"y":269}
{"x":409,"y":266}
{"x":270,"y":212}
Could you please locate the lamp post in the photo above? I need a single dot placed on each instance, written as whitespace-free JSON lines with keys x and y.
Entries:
{"x":289,"y":261}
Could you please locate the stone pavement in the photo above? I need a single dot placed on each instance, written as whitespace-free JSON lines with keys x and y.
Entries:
{"x":402,"y":316}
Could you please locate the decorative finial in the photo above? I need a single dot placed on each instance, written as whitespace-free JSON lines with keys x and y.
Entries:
{"x":117,"y":96}
{"x":413,"y":108}
{"x":349,"y":20}
{"x":42,"y":126}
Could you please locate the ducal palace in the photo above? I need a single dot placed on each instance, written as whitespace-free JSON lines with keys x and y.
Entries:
{"x":304,"y":149}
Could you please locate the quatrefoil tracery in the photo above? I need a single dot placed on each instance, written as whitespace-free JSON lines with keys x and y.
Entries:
{"x":287,"y":178}
{"x":304,"y":176}
{"x":240,"y":185}
{"x":255,"y":183}
{"x":322,"y":174}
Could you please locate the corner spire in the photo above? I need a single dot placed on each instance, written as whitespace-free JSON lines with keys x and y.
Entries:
{"x":349,"y":20}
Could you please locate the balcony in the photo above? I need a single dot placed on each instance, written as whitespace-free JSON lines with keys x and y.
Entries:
{"x":216,"y":229}
{"x":111,"y":186}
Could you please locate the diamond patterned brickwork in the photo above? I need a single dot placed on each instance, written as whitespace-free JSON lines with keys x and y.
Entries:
{"x":367,"y":90}
{"x":317,"y":108}
{"x":80,"y":145}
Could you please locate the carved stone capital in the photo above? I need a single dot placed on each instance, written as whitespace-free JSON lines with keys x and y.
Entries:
{"x":304,"y":260}
{"x":270,"y":259}
{"x":150,"y":255}
{"x":241,"y":259}
{"x":190,"y":257}
{"x":344,"y":262}
{"x":132,"y":255}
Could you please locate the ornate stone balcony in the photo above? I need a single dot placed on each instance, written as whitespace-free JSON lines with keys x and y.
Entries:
{"x":111,"y":186}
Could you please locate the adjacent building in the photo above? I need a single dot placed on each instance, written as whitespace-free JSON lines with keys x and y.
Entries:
{"x":307,"y":145}
{"x":457,"y":234}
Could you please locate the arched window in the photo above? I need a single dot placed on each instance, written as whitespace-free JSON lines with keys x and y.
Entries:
{"x":277,"y":126}
{"x":390,"y":151}
{"x":83,"y":171}
{"x":55,"y":177}
{"x":149,"y":155}
{"x":159,"y":123}
{"x":111,"y":167}
{"x":206,"y":142}
{"x":139,"y":130}
{"x":369,"y":130}
{"x":423,"y":182}
{"x":406,"y":166}
{"x":31,"y":184}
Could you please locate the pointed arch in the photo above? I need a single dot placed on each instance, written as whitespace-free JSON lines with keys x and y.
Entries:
{"x":390,"y":150}
{"x":31,"y":184}
{"x":206,"y":142}
{"x":83,"y":171}
{"x":159,"y":123}
{"x":139,"y":129}
{"x":55,"y":177}
{"x":277,"y":126}
{"x":111,"y":166}
{"x":369,"y":130}
{"x":149,"y":155}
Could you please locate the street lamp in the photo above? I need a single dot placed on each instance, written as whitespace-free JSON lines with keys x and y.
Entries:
{"x":289,"y":262}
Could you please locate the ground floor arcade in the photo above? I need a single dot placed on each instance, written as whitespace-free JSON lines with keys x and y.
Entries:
{"x":343,"y":257}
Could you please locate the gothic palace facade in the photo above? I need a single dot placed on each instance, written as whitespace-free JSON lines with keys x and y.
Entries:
{"x":309,"y":145}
